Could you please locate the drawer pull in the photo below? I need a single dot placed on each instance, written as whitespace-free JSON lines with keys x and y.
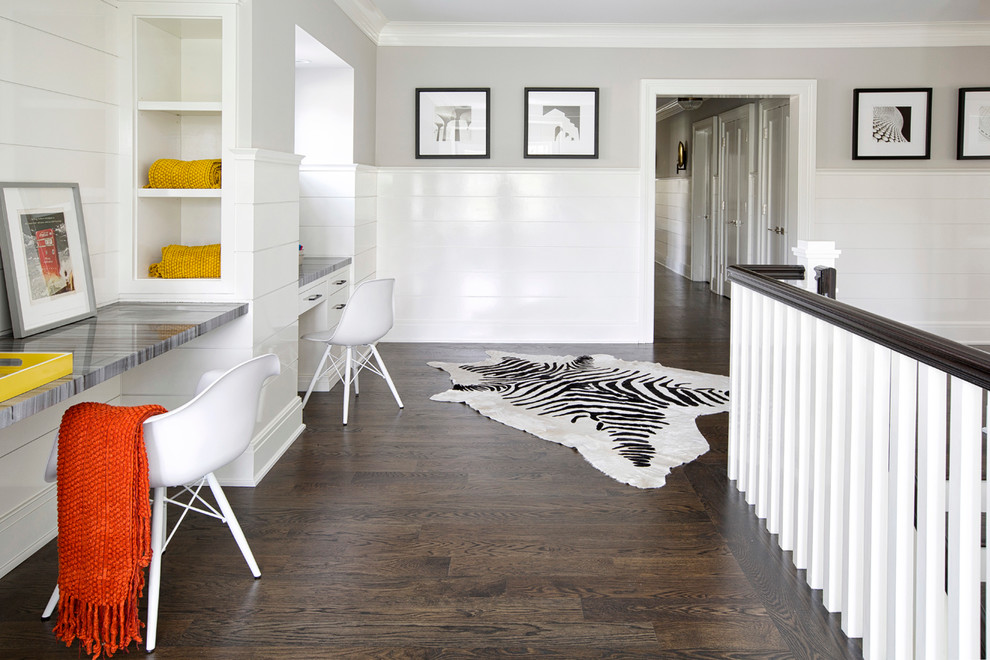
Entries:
{"x":315,"y":297}
{"x":340,"y":306}
{"x":339,"y":282}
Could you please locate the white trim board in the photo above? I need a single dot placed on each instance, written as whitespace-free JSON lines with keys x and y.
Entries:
{"x":803,"y":95}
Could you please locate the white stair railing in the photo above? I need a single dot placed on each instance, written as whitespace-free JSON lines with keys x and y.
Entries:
{"x":860,"y":442}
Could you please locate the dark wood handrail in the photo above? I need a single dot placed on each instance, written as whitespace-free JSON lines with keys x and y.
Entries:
{"x":965,"y":362}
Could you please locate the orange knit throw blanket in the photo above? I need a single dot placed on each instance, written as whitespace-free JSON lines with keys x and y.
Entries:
{"x":104,"y":525}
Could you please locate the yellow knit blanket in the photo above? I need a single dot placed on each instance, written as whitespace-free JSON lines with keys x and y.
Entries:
{"x":187,"y":261}
{"x":171,"y":173}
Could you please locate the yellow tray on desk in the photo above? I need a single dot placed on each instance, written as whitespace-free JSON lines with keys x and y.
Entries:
{"x":22,"y":372}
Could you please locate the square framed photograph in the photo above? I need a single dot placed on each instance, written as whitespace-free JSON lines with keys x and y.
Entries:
{"x":892,"y":123}
{"x":974,"y":123}
{"x":453,"y":123}
{"x":561,"y":122}
{"x":45,"y":257}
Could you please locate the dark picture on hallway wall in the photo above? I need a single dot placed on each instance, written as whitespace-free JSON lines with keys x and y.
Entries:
{"x":974,"y":123}
{"x":452,"y":123}
{"x":892,"y":123}
{"x":561,"y":122}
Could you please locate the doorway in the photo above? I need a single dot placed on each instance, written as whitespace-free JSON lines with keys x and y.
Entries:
{"x":801,"y":122}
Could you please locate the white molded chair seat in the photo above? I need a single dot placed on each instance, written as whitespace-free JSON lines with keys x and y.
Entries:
{"x":187,"y":445}
{"x":367,"y":317}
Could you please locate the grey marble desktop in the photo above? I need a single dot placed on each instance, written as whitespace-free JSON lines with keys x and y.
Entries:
{"x":313,"y":268}
{"x":120,"y":337}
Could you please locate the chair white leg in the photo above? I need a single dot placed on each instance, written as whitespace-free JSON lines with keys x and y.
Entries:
{"x":388,"y":378}
{"x":316,"y":375}
{"x":50,"y":607}
{"x":155,"y":569}
{"x":347,"y":379}
{"x":235,"y":528}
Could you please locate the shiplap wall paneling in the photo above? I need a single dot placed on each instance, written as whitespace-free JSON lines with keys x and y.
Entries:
{"x":673,"y":226}
{"x":61,"y":115}
{"x":511,"y":255}
{"x":915,"y":245}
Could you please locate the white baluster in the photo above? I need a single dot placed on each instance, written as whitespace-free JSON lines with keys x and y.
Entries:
{"x":738,"y":328}
{"x":930,"y":602}
{"x":803,"y":439}
{"x":965,"y":440}
{"x":837,"y":467}
{"x":753,"y":402}
{"x":762,"y":501}
{"x":789,"y":433}
{"x":878,"y":451}
{"x":860,"y":380}
{"x":819,"y":465}
{"x":900,"y":538}
{"x":776,"y":421}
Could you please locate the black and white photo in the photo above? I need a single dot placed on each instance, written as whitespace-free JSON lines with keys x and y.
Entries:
{"x":892,"y":123}
{"x":561,"y":122}
{"x":453,"y":123}
{"x":974,"y":123}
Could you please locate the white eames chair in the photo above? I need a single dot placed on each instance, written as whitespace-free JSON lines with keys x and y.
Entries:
{"x":185,"y":446}
{"x":366,"y":318}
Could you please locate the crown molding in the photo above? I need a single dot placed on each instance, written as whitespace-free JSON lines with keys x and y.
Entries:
{"x":366,"y":15}
{"x":834,"y":35}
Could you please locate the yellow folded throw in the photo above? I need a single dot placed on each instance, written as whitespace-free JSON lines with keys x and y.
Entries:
{"x":187,"y":261}
{"x":171,"y":173}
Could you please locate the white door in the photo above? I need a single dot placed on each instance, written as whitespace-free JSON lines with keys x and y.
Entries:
{"x":774,"y":236}
{"x":703,"y":162}
{"x":737,"y":174}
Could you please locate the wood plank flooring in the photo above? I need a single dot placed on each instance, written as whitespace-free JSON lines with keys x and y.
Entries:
{"x":436,"y":533}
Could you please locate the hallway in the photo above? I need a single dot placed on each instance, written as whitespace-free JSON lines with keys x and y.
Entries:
{"x":436,"y":533}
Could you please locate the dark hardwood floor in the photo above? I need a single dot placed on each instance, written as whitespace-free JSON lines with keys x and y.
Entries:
{"x":436,"y":533}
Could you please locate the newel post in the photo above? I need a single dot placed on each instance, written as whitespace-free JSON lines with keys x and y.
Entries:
{"x":811,"y":254}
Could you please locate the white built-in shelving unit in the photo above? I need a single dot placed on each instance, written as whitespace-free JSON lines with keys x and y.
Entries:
{"x":180,"y":74}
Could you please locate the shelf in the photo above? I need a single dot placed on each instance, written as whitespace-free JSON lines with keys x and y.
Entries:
{"x":181,"y":107}
{"x":179,"y":192}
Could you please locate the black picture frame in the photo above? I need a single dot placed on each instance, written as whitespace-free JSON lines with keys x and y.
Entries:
{"x":892,"y":123}
{"x":561,"y":122}
{"x":973,"y":124}
{"x":453,"y":122}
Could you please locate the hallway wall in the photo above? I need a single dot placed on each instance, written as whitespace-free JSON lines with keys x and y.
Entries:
{"x":618,"y":72}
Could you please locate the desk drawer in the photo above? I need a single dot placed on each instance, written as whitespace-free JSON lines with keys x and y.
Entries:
{"x":335,"y":304}
{"x":336,"y":282}
{"x":313,"y":295}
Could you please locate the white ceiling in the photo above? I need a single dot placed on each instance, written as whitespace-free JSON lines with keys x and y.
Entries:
{"x":721,"y":12}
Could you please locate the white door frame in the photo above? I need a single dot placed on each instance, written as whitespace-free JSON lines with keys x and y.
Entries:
{"x":804,"y":104}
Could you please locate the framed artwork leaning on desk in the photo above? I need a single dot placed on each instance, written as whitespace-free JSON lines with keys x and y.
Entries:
{"x":45,"y":256}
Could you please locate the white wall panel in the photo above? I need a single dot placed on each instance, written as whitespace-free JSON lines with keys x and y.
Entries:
{"x":504,"y":255}
{"x":915,"y":245}
{"x":673,"y":231}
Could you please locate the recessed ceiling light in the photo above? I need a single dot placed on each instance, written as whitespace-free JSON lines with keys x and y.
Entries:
{"x":303,"y":62}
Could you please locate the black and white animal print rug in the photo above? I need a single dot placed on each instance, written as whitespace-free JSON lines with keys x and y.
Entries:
{"x":634,"y":421}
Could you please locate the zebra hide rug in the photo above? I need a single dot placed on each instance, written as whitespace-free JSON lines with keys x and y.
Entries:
{"x":634,"y":421}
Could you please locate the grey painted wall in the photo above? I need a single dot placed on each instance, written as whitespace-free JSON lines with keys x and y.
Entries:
{"x":618,"y":73}
{"x":677,"y":128}
{"x":272,"y":62}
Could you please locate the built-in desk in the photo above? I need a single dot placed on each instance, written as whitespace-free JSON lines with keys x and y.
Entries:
{"x":120,"y":337}
{"x":324,"y":286}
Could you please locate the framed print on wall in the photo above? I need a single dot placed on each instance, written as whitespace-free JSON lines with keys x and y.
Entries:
{"x":45,"y":256}
{"x":974,"y":123}
{"x":453,"y":123}
{"x":561,"y":122}
{"x":892,"y":123}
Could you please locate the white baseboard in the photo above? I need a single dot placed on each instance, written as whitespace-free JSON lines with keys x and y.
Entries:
{"x":266,"y":448}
